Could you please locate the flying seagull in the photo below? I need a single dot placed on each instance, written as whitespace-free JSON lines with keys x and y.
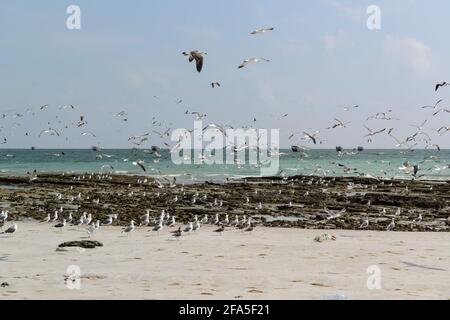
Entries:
{"x":51,"y":131}
{"x":261,"y":31}
{"x":435,"y":105}
{"x":197,"y":56}
{"x":215,"y":84}
{"x":443,"y":84}
{"x":140,"y":163}
{"x":250,"y":61}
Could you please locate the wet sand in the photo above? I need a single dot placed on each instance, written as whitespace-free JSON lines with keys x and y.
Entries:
{"x":269,"y":263}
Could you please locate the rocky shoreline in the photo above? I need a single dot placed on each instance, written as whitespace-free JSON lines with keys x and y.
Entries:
{"x":273,"y":202}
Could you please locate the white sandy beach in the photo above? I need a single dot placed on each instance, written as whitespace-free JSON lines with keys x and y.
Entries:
{"x":270,"y":263}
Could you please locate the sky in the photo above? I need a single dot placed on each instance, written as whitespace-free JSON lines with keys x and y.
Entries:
{"x":322,"y":58}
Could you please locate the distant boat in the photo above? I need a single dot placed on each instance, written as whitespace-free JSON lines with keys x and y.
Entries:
{"x":339,"y":149}
{"x":33,"y":148}
{"x":360,"y":148}
{"x":295,"y":148}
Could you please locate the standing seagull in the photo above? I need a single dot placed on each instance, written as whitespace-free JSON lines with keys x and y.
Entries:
{"x":197,"y":56}
{"x":365,"y":223}
{"x":129,"y":228}
{"x":391,"y":225}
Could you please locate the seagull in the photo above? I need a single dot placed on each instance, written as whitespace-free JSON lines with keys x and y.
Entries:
{"x":120,"y":114}
{"x":140,"y":163}
{"x":443,"y":84}
{"x":391,"y":225}
{"x":158,"y":227}
{"x":47,"y":219}
{"x":51,"y":131}
{"x":338,"y":124}
{"x":250,"y":228}
{"x":88,"y":133}
{"x":215,"y":84}
{"x":226,"y":221}
{"x":61,"y":224}
{"x":11,"y":229}
{"x":196,"y":225}
{"x":108,"y":221}
{"x":435,"y":105}
{"x":251,"y":61}
{"x":311,"y":137}
{"x":188,"y":228}
{"x":220,"y":230}
{"x":4,"y":215}
{"x":349,"y":108}
{"x":129,"y":228}
{"x":261,"y":31}
{"x":365,"y":223}
{"x":88,"y":220}
{"x":197,"y":56}
{"x":372,"y":132}
{"x":145,"y":219}
{"x":418,"y":219}
{"x":92,"y":228}
{"x":171,"y":223}
{"x":332,"y":214}
{"x":55,"y":217}
{"x":205,"y":219}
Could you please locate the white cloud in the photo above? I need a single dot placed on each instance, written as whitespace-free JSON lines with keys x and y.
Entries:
{"x":413,"y":53}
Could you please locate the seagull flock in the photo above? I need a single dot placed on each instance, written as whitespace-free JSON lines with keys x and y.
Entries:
{"x":67,"y":118}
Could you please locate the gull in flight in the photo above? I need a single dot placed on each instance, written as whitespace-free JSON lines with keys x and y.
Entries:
{"x":140,"y":163}
{"x":66,"y":107}
{"x":350,"y":108}
{"x":310,"y":137}
{"x":51,"y":131}
{"x":338,"y":124}
{"x":88,"y":133}
{"x":198,"y":115}
{"x":251,"y":61}
{"x":372,"y":133}
{"x":332,"y":214}
{"x":444,"y":129}
{"x":197,"y":56}
{"x":262,"y":30}
{"x":120,"y":114}
{"x":435,"y":105}
{"x":215,"y":84}
{"x":443,"y":84}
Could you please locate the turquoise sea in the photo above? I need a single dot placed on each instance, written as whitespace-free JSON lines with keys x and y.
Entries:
{"x":381,"y":163}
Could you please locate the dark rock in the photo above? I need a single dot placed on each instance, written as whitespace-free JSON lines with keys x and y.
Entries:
{"x":87,"y":244}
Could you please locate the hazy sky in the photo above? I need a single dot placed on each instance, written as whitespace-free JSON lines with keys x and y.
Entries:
{"x":323,"y":58}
